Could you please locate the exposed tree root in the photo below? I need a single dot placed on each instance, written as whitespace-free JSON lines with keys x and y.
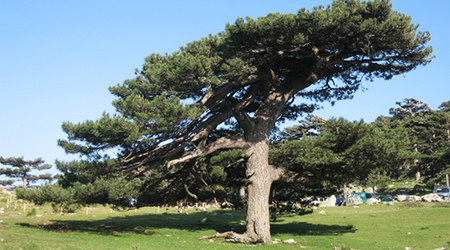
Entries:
{"x":233,"y":238}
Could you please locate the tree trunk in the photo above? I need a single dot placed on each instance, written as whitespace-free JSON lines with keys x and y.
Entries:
{"x":242,"y":193}
{"x":345,"y":190}
{"x":261,"y":175}
{"x":24,"y":177}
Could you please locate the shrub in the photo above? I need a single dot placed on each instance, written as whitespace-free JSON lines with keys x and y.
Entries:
{"x":32,"y":212}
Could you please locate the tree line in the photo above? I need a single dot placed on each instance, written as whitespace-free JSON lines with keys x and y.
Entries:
{"x":320,"y":157}
{"x":326,"y":155}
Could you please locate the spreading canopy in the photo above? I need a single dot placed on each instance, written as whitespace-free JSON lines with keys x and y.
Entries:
{"x":253,"y":70}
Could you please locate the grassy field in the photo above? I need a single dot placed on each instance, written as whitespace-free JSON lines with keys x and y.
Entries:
{"x":426,"y":226}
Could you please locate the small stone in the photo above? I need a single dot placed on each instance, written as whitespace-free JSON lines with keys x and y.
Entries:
{"x":289,"y":241}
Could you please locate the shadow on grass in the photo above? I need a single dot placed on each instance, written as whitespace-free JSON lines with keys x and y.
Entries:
{"x":148,"y":224}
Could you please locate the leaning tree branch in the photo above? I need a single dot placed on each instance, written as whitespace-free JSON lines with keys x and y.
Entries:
{"x":224,"y":143}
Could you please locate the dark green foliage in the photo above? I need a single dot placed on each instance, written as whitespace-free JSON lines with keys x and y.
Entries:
{"x":65,"y":208}
{"x":428,"y":133}
{"x":327,"y":160}
{"x":322,"y":155}
{"x":84,"y":171}
{"x":117,"y":192}
{"x":179,"y":95}
{"x":21,"y":170}
{"x":338,"y":153}
{"x":6,"y":182}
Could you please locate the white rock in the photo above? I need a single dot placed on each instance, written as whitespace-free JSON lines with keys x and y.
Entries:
{"x":289,"y":241}
{"x":330,"y":202}
{"x":431,"y":197}
{"x":353,"y":201}
{"x":401,"y":197}
{"x":372,"y":201}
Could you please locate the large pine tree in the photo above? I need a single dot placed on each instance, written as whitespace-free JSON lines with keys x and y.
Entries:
{"x":182,"y":106}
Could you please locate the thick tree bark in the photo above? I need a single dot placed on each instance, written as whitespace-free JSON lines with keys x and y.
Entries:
{"x":260,"y":176}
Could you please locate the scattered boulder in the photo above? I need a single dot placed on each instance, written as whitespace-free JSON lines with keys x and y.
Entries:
{"x":323,"y":212}
{"x":353,"y":201}
{"x":372,"y":201}
{"x":431,"y":197}
{"x":368,"y":190}
{"x":330,"y":202}
{"x":401,"y":197}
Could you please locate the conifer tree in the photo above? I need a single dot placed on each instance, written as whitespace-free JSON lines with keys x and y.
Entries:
{"x":21,"y":169}
{"x":412,"y":116}
{"x":246,"y":79}
{"x":436,"y":155}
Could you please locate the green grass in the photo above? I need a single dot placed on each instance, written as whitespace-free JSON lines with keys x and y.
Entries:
{"x":367,"y":227}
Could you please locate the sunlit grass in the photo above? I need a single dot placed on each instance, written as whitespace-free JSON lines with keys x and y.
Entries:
{"x":365,"y":227}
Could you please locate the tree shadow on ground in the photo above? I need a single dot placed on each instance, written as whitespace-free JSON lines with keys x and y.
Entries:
{"x":148,"y":224}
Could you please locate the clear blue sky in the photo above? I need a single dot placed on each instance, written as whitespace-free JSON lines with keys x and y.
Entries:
{"x":58,"y":59}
